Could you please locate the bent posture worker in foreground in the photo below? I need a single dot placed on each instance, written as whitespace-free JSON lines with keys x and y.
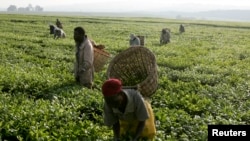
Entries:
{"x":126,"y":110}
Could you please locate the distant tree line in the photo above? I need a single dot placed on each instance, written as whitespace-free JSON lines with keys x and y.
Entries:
{"x":29,"y":8}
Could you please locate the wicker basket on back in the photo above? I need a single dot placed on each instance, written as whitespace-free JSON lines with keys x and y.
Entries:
{"x":136,"y":67}
{"x":142,"y":40}
{"x":100,"y":58}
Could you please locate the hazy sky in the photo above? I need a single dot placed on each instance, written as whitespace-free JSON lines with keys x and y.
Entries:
{"x":129,"y":5}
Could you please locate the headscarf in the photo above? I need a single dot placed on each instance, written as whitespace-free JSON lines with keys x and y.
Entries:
{"x":111,"y":87}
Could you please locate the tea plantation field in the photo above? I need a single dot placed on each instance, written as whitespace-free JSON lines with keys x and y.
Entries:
{"x":204,"y":77}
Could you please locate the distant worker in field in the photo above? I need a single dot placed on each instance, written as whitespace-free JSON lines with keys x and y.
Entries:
{"x":134,"y":40}
{"x":59,"y":24}
{"x":84,"y":67}
{"x":165,"y":36}
{"x":130,"y":115}
{"x":181,"y":29}
{"x":58,"y":33}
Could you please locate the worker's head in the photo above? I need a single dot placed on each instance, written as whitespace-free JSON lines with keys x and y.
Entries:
{"x":112,"y":92}
{"x":79,"y":34}
{"x":132,"y":36}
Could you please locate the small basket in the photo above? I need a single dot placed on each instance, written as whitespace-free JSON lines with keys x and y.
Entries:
{"x":136,"y":67}
{"x":142,"y":40}
{"x":100,"y":58}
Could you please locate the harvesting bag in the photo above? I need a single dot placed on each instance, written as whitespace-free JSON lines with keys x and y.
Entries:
{"x":149,"y":131}
{"x":136,"y":67}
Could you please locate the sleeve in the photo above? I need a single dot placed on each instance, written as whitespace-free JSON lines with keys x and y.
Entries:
{"x":130,"y":42}
{"x":141,"y":109}
{"x":88,"y":56}
{"x":109,"y":117}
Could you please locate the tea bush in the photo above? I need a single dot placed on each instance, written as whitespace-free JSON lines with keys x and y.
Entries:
{"x":203,"y":77}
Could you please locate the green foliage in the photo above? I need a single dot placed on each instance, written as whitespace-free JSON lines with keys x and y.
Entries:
{"x":203,"y":77}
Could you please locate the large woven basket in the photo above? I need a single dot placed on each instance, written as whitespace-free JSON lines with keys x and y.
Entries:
{"x":100,"y":58}
{"x":136,"y":67}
